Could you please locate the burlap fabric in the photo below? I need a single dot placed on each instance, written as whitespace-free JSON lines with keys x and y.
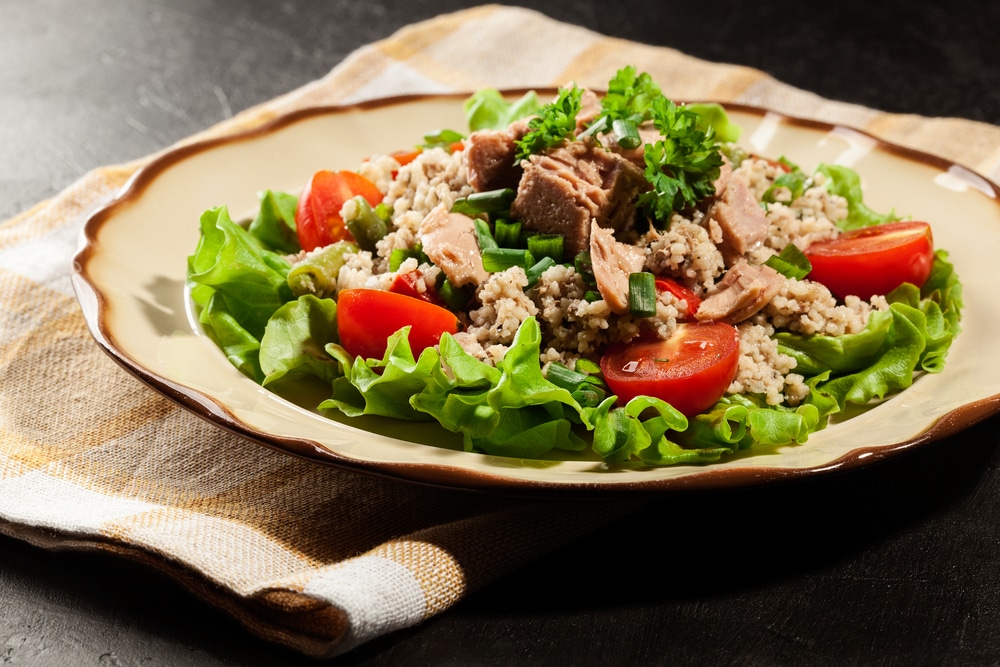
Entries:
{"x":306,"y":555}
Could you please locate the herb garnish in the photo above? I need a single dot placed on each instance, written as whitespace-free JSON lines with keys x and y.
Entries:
{"x":554,"y":123}
{"x":683,"y":165}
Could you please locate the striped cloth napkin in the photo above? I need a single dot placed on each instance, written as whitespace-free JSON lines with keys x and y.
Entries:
{"x":302,"y":554}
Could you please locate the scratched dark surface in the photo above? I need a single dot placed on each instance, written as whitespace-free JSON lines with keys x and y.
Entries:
{"x":898,"y":563}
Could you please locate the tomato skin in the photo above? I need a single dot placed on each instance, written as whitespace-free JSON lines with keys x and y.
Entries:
{"x":873,"y":260}
{"x":681,"y":292}
{"x":367,"y":317}
{"x":691,"y":370}
{"x":317,"y":216}
{"x":405,"y":283}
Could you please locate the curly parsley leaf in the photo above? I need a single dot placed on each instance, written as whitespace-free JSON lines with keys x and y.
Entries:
{"x":554,"y":123}
{"x":626,"y":105}
{"x":683,"y":165}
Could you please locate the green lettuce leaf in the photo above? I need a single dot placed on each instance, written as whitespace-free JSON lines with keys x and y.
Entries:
{"x":387,"y":386}
{"x":239,"y":284}
{"x":274,"y":224}
{"x":488,"y":110}
{"x":295,"y":340}
{"x":846,"y":182}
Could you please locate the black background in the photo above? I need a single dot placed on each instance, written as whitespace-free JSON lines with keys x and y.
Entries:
{"x":898,"y":563}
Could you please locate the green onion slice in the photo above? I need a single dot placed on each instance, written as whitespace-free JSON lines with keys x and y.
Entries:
{"x":642,"y":294}
{"x":790,"y":262}
{"x":491,"y":201}
{"x":547,"y":245}
{"x":501,"y":259}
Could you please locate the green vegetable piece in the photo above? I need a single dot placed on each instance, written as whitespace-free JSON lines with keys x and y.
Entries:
{"x":400,"y":255}
{"x":584,"y":266}
{"x":547,"y":245}
{"x":491,"y":201}
{"x":626,"y":133}
{"x":790,"y":262}
{"x":317,"y":273}
{"x":535,"y":271}
{"x":796,"y":181}
{"x":274,"y":224}
{"x":682,"y":166}
{"x":442,"y":139}
{"x":713,"y":117}
{"x":456,"y":298}
{"x":554,"y":124}
{"x":295,"y":339}
{"x":483,"y":234}
{"x":501,"y":259}
{"x":846,"y":182}
{"x":487,"y":109}
{"x":250,"y":280}
{"x":507,"y":233}
{"x":365,"y":226}
{"x":629,"y":98}
{"x":642,"y":294}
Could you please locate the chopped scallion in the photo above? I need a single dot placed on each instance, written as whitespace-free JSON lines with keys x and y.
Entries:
{"x":585,"y":267}
{"x":626,"y":133}
{"x":546,"y":245}
{"x":457,"y":298}
{"x":400,"y":255}
{"x":507,"y":233}
{"x":501,"y":259}
{"x":483,"y":234}
{"x":491,"y":201}
{"x":790,"y":262}
{"x":642,"y":294}
{"x":537,"y":269}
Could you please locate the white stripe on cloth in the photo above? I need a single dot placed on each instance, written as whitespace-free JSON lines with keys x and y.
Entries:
{"x":378,"y":596}
{"x":43,"y":501}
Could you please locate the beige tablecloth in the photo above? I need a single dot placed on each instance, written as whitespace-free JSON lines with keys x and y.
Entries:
{"x":303,"y":554}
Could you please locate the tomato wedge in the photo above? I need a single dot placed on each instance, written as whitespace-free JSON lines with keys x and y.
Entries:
{"x":367,"y":317}
{"x":691,"y":370}
{"x":317,"y":217}
{"x":873,"y":260}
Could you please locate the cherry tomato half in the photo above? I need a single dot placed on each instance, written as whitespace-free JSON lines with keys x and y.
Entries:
{"x":691,"y":370}
{"x":317,"y":217}
{"x":873,"y":260}
{"x":367,"y":317}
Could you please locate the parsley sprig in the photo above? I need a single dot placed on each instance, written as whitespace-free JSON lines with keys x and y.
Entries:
{"x":683,"y":165}
{"x":627,"y":104}
{"x":554,"y":123}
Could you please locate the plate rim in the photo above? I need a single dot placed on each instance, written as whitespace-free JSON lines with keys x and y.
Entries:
{"x":94,"y":305}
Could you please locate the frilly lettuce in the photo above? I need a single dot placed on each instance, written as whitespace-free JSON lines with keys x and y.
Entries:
{"x":238,"y":284}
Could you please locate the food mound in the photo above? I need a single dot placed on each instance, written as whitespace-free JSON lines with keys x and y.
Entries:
{"x":605,"y":272}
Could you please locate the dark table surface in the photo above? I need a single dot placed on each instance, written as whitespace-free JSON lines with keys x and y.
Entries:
{"x":898,"y":563}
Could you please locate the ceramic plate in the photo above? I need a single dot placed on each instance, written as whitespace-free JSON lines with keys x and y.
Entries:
{"x":130,"y":279}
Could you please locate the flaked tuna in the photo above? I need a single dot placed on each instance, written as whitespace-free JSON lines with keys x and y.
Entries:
{"x":565,"y":189}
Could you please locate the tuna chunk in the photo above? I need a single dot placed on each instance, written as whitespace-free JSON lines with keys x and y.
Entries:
{"x":740,"y":218}
{"x":489,"y":155}
{"x":449,"y":240}
{"x":564,"y":190}
{"x":613,"y":261}
{"x":742,"y":292}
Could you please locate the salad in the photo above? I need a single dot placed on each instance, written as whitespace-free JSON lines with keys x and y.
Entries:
{"x":608,"y":273}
